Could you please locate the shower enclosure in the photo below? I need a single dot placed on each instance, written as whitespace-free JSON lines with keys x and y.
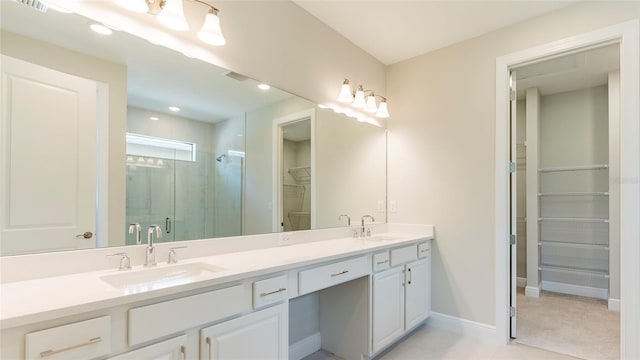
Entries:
{"x":190,"y":194}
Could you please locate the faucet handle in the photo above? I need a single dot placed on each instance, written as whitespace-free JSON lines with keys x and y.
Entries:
{"x":156,"y":229}
{"x":125,"y":262}
{"x":172,"y":254}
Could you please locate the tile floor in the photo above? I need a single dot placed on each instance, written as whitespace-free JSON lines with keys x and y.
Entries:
{"x":433,"y":343}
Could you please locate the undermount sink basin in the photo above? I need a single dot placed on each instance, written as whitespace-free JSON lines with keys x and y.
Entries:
{"x":383,"y":238}
{"x":160,"y":276}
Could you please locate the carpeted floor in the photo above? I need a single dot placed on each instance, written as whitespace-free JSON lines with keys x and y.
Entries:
{"x":571,"y":325}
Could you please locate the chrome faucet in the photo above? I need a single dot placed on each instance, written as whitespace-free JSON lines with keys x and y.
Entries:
{"x":150,"y":259}
{"x":348,"y":219}
{"x":138,"y":229}
{"x":364,"y":231}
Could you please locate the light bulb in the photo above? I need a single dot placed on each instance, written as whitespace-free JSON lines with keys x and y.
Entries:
{"x":211,"y":32}
{"x":359,"y":99}
{"x":172,"y":16}
{"x":134,"y":5}
{"x":345,"y":92}
{"x":382,"y":112}
{"x":371,"y":104}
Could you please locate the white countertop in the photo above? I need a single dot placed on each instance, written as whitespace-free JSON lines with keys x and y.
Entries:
{"x":31,"y":301}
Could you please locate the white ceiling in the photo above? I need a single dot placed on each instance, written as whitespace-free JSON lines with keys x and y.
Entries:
{"x":396,"y":30}
{"x":157,"y":77}
{"x":570,"y":72}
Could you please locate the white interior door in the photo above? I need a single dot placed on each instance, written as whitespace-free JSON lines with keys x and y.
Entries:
{"x":47,"y":158}
{"x":513,"y":191}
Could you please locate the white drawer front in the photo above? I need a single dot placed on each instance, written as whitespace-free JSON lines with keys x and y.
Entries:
{"x":404,"y":254}
{"x":169,"y":317}
{"x":380,"y":261}
{"x":332,"y":274}
{"x":424,"y":250}
{"x":270,"y":291}
{"x":82,"y":340}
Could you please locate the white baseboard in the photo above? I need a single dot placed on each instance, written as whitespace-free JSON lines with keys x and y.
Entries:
{"x":463,"y":326}
{"x":305,"y":347}
{"x":521,"y":282}
{"x":614,"y":304}
{"x":579,"y":290}
{"x":532,"y":291}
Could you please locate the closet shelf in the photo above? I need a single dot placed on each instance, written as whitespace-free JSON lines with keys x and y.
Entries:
{"x":301,"y":173}
{"x":603,"y":247}
{"x":578,"y":271}
{"x":592,"y":220}
{"x":299,"y":213}
{"x":575,"y":194}
{"x":575,"y":168}
{"x":293,"y":185}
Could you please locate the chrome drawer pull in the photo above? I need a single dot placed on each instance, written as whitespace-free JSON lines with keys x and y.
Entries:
{"x":183,"y":350}
{"x":73,"y":347}
{"x":382,"y":262}
{"x":208,"y":341}
{"x":273,"y":292}
{"x":340,"y":273}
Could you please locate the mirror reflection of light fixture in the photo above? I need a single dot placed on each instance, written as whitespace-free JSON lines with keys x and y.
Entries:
{"x":170,"y":13}
{"x":363,"y":99}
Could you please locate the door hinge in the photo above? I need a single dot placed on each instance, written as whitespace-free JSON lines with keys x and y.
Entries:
{"x":512,"y":95}
{"x":512,"y":311}
{"x":512,"y":167}
{"x":512,"y":240}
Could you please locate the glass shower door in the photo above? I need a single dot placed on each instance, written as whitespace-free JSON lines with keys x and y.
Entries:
{"x":150,"y":196}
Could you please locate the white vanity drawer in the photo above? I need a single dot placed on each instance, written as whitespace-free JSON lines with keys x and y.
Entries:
{"x":82,"y":340}
{"x":270,"y":291}
{"x":404,"y":254}
{"x":169,"y":317}
{"x":328,"y":275}
{"x":424,"y":249}
{"x":380,"y":261}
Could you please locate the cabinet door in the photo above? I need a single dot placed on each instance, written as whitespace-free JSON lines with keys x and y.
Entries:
{"x":388,"y":307}
{"x":418,"y":297}
{"x":262,"y":335}
{"x":172,"y":349}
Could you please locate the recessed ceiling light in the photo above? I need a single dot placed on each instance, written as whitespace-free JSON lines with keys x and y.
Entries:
{"x":322,"y":106}
{"x":101,"y":29}
{"x":264,"y":87}
{"x":154,"y":118}
{"x":174,"y":108}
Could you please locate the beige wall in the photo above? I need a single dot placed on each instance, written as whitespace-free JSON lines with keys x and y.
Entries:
{"x":441,"y":148}
{"x":115,"y":76}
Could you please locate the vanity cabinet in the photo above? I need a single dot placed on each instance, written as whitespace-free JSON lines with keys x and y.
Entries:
{"x":401,"y":296}
{"x":172,"y":349}
{"x":261,"y":335}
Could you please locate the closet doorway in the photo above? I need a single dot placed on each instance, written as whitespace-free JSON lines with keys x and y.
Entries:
{"x":565,"y":206}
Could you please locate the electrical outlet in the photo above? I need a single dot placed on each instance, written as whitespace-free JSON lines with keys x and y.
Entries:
{"x":393,"y":206}
{"x":380,"y":205}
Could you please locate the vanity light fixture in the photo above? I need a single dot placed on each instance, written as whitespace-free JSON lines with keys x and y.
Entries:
{"x":363,"y":99}
{"x":171,"y":14}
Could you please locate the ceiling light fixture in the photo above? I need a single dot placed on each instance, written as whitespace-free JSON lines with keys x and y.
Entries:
{"x":363,"y":99}
{"x":174,"y":108}
{"x":154,"y":118}
{"x":264,"y":87}
{"x":170,"y":13}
